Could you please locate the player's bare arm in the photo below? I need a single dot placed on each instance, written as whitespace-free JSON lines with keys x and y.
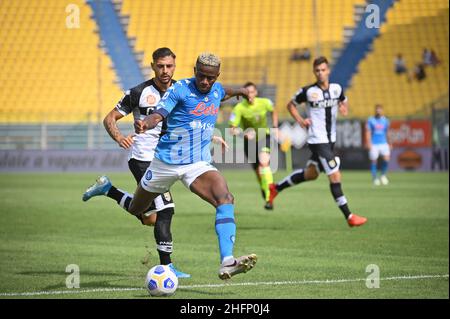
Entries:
{"x":219,"y":140}
{"x":235,"y":130}
{"x":343,"y":108}
{"x":389,"y":141}
{"x":275,"y":118}
{"x":110,"y":124}
{"x":275,"y":123}
{"x":148,"y":123}
{"x":230,"y":92}
{"x":368,"y":138}
{"x":292,"y":108}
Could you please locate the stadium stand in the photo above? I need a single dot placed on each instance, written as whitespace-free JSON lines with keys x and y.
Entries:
{"x":52,"y":73}
{"x":362,"y":37}
{"x":411,"y":26}
{"x":255,"y":39}
{"x":117,"y":44}
{"x":56,"y":74}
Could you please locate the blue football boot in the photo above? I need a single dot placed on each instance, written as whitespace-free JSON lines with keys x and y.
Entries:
{"x":178,"y":273}
{"x":101,"y":187}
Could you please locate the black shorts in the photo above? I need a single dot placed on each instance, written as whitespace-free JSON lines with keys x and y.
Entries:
{"x":161,"y":202}
{"x":323,"y":158}
{"x":252,"y":148}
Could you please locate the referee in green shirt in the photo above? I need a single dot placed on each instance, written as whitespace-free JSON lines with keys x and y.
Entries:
{"x":251,"y":116}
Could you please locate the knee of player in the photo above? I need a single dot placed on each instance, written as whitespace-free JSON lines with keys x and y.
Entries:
{"x":335,"y":177}
{"x":312,"y":174}
{"x":149,"y":220}
{"x":228,"y":198}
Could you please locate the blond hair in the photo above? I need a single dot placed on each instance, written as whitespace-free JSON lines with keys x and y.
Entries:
{"x":209,"y":59}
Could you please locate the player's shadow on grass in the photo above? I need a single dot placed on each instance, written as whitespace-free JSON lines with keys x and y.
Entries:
{"x":88,"y":285}
{"x":107,"y":283}
{"x":59,"y":272}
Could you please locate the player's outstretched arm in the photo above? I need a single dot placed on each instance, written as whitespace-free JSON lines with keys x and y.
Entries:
{"x":220,"y":141}
{"x":148,"y":123}
{"x":292,"y":108}
{"x":110,"y":124}
{"x":230,"y":92}
{"x":275,"y":118}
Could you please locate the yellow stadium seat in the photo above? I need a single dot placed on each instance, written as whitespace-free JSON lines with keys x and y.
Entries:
{"x":48,"y":68}
{"x":411,"y":26}
{"x":254,"y":42}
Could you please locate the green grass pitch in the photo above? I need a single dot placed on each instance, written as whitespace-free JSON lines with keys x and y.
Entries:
{"x":304,"y":246}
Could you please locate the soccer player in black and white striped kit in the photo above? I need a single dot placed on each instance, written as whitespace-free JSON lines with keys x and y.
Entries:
{"x":141,"y":101}
{"x":323,"y":101}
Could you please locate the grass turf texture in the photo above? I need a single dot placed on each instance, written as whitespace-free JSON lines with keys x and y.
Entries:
{"x":45,"y":227}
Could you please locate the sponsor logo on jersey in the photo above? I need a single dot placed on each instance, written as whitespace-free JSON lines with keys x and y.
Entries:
{"x":325,"y":103}
{"x":216,"y":95}
{"x":148,"y":175}
{"x":202,"y":109}
{"x":200,"y":125}
{"x":151,"y":99}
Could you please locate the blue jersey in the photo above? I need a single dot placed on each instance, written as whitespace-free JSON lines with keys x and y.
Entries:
{"x":378,"y":129}
{"x":191,"y":118}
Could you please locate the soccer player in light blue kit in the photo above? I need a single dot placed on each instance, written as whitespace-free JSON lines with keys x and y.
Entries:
{"x":377,"y":141}
{"x":183,"y":153}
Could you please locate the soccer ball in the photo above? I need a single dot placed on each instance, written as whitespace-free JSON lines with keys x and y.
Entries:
{"x":161,"y":281}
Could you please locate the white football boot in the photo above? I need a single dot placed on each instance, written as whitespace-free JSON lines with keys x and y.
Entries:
{"x":230,"y":268}
{"x":384,"y":180}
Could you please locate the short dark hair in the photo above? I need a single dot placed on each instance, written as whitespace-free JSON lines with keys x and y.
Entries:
{"x":320,"y":60}
{"x":246,"y":85}
{"x":162,"y":52}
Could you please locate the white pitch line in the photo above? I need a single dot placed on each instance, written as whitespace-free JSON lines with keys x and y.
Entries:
{"x":261,"y":283}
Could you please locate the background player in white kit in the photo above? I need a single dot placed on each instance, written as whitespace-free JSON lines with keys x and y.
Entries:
{"x":141,"y":101}
{"x":323,"y":100}
{"x":377,"y":141}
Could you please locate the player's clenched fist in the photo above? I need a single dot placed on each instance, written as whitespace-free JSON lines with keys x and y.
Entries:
{"x":305,"y":123}
{"x":139,"y":126}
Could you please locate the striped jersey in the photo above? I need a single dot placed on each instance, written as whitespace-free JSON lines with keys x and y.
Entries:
{"x":322,"y":108}
{"x":142,"y":101}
